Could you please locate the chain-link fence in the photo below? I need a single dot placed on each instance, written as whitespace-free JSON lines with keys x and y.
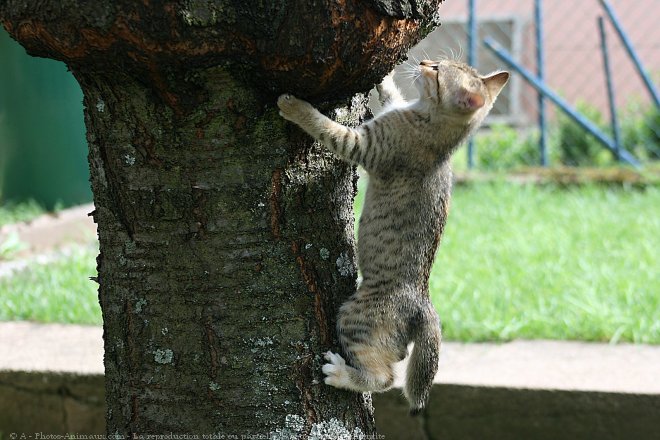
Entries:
{"x":573,"y":68}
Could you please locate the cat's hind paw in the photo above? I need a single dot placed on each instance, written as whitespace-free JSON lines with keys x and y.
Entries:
{"x":335,"y":371}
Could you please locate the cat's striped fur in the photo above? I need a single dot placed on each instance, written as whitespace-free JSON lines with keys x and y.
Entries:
{"x":406,"y":152}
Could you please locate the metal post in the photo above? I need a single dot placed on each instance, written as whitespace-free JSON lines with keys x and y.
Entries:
{"x":540,"y":72}
{"x":585,"y":123}
{"x":610,"y":89}
{"x":631,"y":51}
{"x":473,"y":37}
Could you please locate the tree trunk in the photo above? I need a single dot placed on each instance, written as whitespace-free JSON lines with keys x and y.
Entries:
{"x":226,"y":235}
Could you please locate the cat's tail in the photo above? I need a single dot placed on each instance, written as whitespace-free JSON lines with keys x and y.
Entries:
{"x":423,"y":362}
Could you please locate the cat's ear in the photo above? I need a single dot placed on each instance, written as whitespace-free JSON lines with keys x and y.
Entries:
{"x":472,"y":101}
{"x":495,"y":82}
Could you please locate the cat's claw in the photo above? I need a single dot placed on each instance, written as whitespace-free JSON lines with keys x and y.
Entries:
{"x":284,"y":98}
{"x":335,"y":370}
{"x":294,"y":109}
{"x":286,"y":103}
{"x":282,"y":101}
{"x":334,"y":358}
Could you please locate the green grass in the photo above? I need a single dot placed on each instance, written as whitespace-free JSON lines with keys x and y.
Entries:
{"x":56,"y":292}
{"x":10,"y":244}
{"x":516,"y":261}
{"x":60,"y":291}
{"x":542,"y":262}
{"x":535,"y":262}
{"x":19,"y":212}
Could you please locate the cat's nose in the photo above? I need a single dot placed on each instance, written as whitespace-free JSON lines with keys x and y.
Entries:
{"x":428,"y":63}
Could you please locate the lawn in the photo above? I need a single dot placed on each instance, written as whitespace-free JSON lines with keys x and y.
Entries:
{"x":60,"y":291}
{"x":544,"y":262}
{"x":516,"y":261}
{"x":19,"y":212}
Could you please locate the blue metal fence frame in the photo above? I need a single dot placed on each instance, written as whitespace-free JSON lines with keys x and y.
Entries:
{"x":610,"y":88}
{"x":540,"y":72}
{"x":540,"y":86}
{"x":473,"y":40}
{"x":631,"y":51}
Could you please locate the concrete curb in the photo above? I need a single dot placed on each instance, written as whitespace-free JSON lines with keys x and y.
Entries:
{"x":51,"y":381}
{"x":490,"y":413}
{"x":51,"y":403}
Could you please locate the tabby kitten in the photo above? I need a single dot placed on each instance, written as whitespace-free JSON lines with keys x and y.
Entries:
{"x":406,"y":152}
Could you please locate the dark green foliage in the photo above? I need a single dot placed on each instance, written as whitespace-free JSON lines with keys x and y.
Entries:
{"x":502,"y":147}
{"x":577,"y":147}
{"x":505,"y":147}
{"x":641,"y":132}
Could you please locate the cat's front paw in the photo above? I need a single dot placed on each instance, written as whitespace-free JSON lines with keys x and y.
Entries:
{"x":292,"y":108}
{"x":335,"y":371}
{"x":386,"y":87}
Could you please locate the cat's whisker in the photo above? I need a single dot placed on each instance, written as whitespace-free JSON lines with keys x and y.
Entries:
{"x":410,"y":65}
{"x":410,"y":68}
{"x":414,"y":79}
{"x":426,"y":55}
{"x":410,"y":74}
{"x":409,"y":62}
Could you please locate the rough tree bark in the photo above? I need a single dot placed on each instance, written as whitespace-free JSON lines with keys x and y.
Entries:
{"x":226,"y":235}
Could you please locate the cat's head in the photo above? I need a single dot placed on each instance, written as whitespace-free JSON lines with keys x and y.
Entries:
{"x":456,"y":89}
